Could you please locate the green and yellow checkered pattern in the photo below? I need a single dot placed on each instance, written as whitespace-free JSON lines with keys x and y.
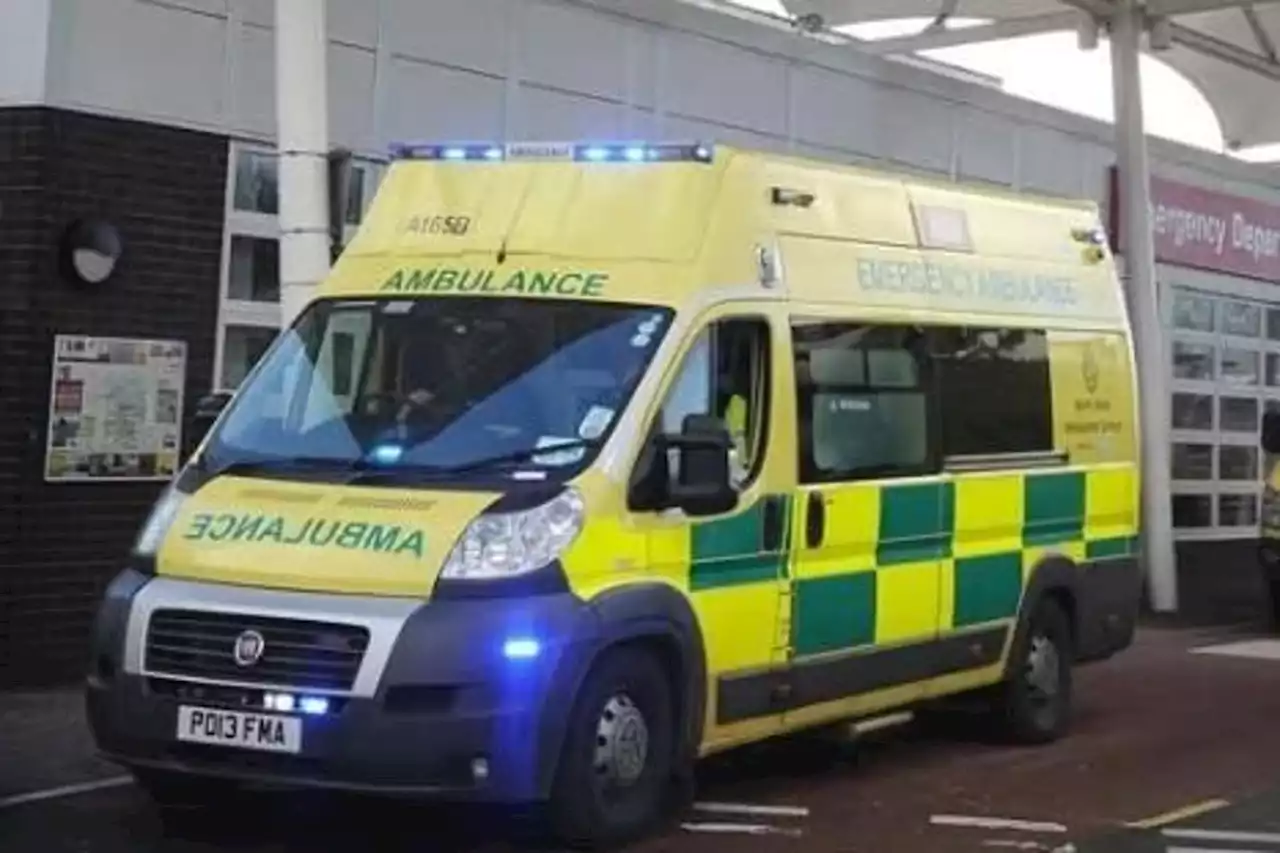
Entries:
{"x":903,"y":561}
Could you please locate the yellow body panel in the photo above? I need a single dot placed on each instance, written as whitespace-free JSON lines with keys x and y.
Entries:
{"x":905,"y":562}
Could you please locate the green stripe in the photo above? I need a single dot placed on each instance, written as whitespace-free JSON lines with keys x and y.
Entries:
{"x":987,"y":588}
{"x":727,"y":551}
{"x":1054,"y":512}
{"x":916,"y":523}
{"x":1103,"y":549}
{"x":834,"y":613}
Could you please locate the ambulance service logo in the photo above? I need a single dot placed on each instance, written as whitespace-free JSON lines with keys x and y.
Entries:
{"x":1089,"y":369}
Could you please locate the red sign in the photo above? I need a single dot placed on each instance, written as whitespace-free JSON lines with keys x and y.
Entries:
{"x":1195,"y":227}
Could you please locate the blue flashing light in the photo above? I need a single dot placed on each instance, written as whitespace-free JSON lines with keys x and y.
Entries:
{"x":387,"y":454}
{"x":521,"y":648}
{"x":591,"y":152}
{"x":315,"y":706}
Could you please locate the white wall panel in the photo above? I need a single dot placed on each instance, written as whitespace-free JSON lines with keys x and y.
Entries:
{"x":351,"y":96}
{"x":147,"y":60}
{"x":24,"y":46}
{"x":255,"y":82}
{"x":431,"y":102}
{"x":668,"y":68}
{"x":708,"y":79}
{"x":468,"y":34}
{"x":986,"y":147}
{"x":835,"y":110}
{"x":573,"y":49}
{"x":1049,"y":161}
{"x":547,"y":114}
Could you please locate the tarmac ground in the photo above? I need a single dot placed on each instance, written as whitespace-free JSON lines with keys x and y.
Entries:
{"x":1176,"y":747}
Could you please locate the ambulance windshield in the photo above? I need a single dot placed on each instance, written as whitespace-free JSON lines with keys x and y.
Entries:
{"x":440,"y":385}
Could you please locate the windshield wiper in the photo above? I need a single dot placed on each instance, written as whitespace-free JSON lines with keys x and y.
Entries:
{"x":525,"y":454}
{"x":275,"y":466}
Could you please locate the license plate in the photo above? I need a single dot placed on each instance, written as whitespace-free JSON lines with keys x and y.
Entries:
{"x":265,"y":732}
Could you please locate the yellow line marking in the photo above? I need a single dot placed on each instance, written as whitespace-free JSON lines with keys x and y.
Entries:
{"x":1192,"y":810}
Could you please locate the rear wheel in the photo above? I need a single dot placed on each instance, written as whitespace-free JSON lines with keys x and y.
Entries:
{"x":613,"y":783}
{"x":1034,"y":705}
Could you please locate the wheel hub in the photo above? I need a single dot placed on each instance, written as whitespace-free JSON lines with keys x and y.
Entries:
{"x":622,"y":742}
{"x":1043,"y":667}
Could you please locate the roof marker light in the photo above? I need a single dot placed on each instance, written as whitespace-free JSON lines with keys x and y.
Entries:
{"x":592,"y":152}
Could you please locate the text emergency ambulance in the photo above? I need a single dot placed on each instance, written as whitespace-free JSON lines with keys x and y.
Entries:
{"x":590,"y":460}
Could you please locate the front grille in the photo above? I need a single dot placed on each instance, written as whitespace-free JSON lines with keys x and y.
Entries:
{"x":296,"y":653}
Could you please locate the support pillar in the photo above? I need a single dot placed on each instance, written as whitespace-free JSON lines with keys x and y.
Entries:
{"x":302,"y":134}
{"x":1141,"y":288}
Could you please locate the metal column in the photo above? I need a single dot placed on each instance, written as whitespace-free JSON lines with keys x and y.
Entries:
{"x":302,"y":116}
{"x":1140,"y":267}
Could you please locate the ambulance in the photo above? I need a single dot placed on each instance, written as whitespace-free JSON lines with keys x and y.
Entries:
{"x":587,"y":461}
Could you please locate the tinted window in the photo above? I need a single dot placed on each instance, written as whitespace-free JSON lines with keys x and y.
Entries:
{"x":863,"y":402}
{"x":994,"y":391}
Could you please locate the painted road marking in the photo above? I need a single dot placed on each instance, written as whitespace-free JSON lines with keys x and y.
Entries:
{"x":65,"y":791}
{"x":1210,"y":850}
{"x":1223,"y":835}
{"x":1182,"y":813}
{"x":888,"y":721}
{"x":741,"y":829}
{"x":1010,"y":844}
{"x":746,"y":808}
{"x":1258,"y":649}
{"x":995,"y":823}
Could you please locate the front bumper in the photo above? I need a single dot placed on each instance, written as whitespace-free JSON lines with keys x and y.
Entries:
{"x":435,"y":697}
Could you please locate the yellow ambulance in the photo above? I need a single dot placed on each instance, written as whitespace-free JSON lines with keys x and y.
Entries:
{"x":588,"y":460}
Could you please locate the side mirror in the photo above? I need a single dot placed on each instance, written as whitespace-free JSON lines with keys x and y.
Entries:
{"x":1271,"y":432}
{"x":703,"y":486}
{"x":207,"y":411}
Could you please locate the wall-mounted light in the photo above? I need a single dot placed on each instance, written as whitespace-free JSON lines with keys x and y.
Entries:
{"x":90,"y":250}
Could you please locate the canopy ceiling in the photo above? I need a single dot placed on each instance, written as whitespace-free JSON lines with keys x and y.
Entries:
{"x":1226,"y":47}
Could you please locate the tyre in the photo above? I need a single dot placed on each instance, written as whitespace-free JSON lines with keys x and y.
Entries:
{"x":613,"y":781}
{"x":1034,"y":705}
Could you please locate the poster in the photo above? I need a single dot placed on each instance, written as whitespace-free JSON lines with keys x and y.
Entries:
{"x":115,"y":409}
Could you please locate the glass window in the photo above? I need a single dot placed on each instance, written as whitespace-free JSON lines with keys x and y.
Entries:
{"x":1192,"y":311}
{"x":1273,"y":324}
{"x":725,"y":374}
{"x":1193,"y":461}
{"x":1192,"y":361}
{"x":242,"y":347}
{"x":1237,"y":510}
{"x":994,"y":388}
{"x":1273,"y":370}
{"x":1238,"y":414}
{"x":1241,"y":318}
{"x":1240,"y":366}
{"x":254,"y":272}
{"x":863,"y":405}
{"x":461,"y":387}
{"x":1273,"y":406}
{"x":1237,"y":462}
{"x":356,"y":181}
{"x":1192,"y":511}
{"x":257,"y":182}
{"x":1192,"y":411}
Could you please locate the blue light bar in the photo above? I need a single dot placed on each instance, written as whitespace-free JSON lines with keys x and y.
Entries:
{"x":585,"y":152}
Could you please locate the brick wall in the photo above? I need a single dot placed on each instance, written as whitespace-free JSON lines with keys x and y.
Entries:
{"x":164,"y":188}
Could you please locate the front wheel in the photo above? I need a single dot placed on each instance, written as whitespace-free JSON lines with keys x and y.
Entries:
{"x":1034,"y":705}
{"x":613,"y":780}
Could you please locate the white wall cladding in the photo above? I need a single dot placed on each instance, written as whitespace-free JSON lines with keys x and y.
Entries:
{"x":481,"y":69}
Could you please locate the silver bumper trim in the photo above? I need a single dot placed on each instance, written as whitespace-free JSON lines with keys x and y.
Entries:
{"x":384,"y":618}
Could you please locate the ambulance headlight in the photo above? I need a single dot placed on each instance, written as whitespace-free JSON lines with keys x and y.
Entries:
{"x":159,"y":522}
{"x":503,"y":545}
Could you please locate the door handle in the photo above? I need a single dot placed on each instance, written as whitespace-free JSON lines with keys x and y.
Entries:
{"x":771,"y":525}
{"x":815,"y":526}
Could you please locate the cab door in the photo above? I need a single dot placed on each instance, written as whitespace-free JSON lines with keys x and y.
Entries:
{"x":734,"y":565}
{"x":872,"y":524}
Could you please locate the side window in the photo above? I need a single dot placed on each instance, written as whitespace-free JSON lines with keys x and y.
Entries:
{"x":994,"y":390}
{"x":726,"y":374}
{"x":863,"y":401}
